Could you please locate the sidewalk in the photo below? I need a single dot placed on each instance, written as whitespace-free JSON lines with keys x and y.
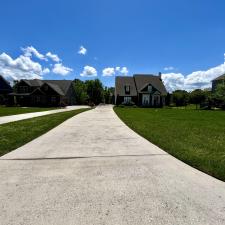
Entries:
{"x":13,"y":118}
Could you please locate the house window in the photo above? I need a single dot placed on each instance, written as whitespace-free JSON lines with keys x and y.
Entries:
{"x":127,"y":99}
{"x":156,"y":100}
{"x":127,"y":89}
{"x":149,"y":88}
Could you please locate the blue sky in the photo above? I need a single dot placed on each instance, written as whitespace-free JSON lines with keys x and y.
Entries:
{"x":185,"y":40}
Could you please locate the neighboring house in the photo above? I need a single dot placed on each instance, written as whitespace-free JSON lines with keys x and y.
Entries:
{"x":143,"y":90}
{"x":43,"y":93}
{"x":5,"y":89}
{"x":218,"y":80}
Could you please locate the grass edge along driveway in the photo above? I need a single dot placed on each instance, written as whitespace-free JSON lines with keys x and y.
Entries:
{"x":197,"y":137}
{"x":16,"y":134}
{"x":9,"y":111}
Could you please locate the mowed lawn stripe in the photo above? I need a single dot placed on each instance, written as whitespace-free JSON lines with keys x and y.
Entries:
{"x":14,"y":135}
{"x":196,"y":137}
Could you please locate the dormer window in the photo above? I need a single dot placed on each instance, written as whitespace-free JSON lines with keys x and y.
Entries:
{"x":127,"y":89}
{"x":149,"y":88}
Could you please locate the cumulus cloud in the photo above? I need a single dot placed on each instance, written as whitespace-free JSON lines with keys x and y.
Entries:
{"x":124,"y":71}
{"x":58,"y":68}
{"x":107,"y":72}
{"x":89,"y":71}
{"x":195,"y":80}
{"x":30,"y":50}
{"x":82,"y":50}
{"x":173,"y":81}
{"x":53,"y":57}
{"x":46,"y":70}
{"x":169,"y":68}
{"x":20,"y":68}
{"x":110,"y":71}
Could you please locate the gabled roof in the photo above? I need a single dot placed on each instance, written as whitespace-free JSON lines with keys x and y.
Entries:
{"x":222,"y":77}
{"x":37,"y":90}
{"x":64,"y":85}
{"x":33,"y":83}
{"x":60,"y":86}
{"x":142,"y":80}
{"x":121,"y":82}
{"x":4,"y":84}
{"x":55,"y":87}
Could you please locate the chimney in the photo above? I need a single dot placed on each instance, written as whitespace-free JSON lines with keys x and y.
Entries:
{"x":160,"y":75}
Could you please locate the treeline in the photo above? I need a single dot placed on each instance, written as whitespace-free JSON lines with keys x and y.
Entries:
{"x":92,"y":92}
{"x":201,"y":98}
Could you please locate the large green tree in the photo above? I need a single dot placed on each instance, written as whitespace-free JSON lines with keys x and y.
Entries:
{"x":95,"y":91}
{"x":108,"y":95}
{"x":197,"y":97}
{"x":80,"y":92}
{"x":180,"y":97}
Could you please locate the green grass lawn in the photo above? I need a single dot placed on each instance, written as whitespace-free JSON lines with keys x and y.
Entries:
{"x":196,"y":137}
{"x":7,"y":111}
{"x":16,"y":134}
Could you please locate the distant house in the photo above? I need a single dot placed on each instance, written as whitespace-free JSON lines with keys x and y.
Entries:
{"x":141,"y":89}
{"x":5,"y":89}
{"x":43,"y":93}
{"x":218,"y":80}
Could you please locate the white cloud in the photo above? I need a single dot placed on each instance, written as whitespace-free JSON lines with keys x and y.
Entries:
{"x":53,"y":57}
{"x":46,"y":70}
{"x":110,"y":71}
{"x":124,"y":71}
{"x":89,"y":71}
{"x":173,"y":81}
{"x":29,"y":51}
{"x":20,"y":68}
{"x":60,"y":69}
{"x":169,"y":68}
{"x":82,"y":50}
{"x":197,"y":79}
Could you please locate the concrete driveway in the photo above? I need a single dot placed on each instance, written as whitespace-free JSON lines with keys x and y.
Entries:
{"x":92,"y":169}
{"x":13,"y":118}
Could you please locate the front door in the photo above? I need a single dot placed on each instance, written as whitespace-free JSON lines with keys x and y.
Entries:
{"x":145,"y":99}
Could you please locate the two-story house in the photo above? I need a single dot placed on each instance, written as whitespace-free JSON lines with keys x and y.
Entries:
{"x":43,"y":93}
{"x":141,"y":89}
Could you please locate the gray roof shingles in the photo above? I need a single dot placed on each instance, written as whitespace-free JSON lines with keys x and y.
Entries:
{"x":60,"y":86}
{"x":137,"y":83}
{"x":222,"y":77}
{"x":121,"y":82}
{"x":142,"y":80}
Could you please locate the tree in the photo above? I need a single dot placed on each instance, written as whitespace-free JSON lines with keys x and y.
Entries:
{"x":108,"y":95}
{"x":197,"y":97}
{"x":180,"y":97}
{"x":94,"y":91}
{"x":81,"y":96}
{"x":219,"y":96}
